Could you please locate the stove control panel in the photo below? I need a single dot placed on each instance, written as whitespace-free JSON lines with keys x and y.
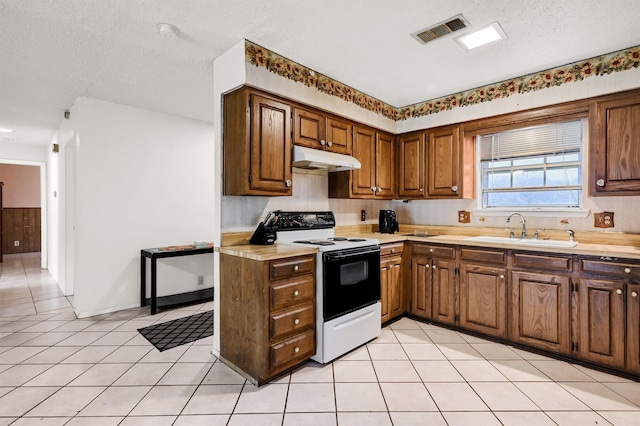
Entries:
{"x":304,"y":220}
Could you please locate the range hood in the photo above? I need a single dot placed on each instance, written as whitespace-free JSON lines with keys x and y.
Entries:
{"x":308,"y":158}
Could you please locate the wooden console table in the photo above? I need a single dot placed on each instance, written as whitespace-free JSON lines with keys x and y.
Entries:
{"x":159,"y":253}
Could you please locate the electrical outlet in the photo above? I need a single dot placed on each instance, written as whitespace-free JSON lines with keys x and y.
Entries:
{"x":16,"y":243}
{"x":200,"y":280}
{"x":603,"y":220}
{"x":464,"y":216}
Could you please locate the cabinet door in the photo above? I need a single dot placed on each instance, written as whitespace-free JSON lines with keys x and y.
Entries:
{"x":540,"y":311}
{"x":385,"y":277}
{"x":421,"y":286}
{"x":395,"y":293}
{"x":385,"y":176}
{"x":483,"y":299}
{"x":602,"y":321}
{"x":308,"y":128}
{"x":364,"y":143}
{"x":338,"y":136}
{"x":411,"y":165}
{"x":614,"y":154}
{"x":444,"y":301}
{"x":633,"y":327}
{"x":444,"y":162}
{"x":270,"y":146}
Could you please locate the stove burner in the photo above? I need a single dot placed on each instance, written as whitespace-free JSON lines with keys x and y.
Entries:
{"x":339,"y":239}
{"x":356,"y":240}
{"x":315,"y":242}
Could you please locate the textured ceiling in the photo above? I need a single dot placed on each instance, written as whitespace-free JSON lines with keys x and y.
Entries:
{"x":54,"y":51}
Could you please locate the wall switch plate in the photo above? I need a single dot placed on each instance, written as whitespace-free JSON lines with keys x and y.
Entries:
{"x":464,"y":216}
{"x":603,"y":220}
{"x":16,"y":243}
{"x":200,"y":280}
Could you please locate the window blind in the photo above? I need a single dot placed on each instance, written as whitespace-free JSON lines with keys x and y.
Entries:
{"x":547,"y":139}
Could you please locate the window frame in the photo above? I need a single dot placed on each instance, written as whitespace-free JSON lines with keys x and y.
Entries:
{"x":543,"y":211}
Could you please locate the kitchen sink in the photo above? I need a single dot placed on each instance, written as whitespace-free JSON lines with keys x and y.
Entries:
{"x":523,"y":241}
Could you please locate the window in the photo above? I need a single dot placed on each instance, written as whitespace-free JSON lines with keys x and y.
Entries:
{"x":534,"y":167}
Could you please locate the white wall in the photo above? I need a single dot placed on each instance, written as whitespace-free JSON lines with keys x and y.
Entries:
{"x":143,"y":179}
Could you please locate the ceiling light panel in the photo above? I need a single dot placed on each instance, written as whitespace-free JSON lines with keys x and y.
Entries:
{"x":486,"y":35}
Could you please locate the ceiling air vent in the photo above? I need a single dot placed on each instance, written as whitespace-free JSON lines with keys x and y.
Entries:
{"x":440,"y":30}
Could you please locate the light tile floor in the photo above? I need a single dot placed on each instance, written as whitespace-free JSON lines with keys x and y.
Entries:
{"x":58,"y":370}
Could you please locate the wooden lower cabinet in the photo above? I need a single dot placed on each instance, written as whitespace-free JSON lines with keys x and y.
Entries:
{"x":541,"y":311}
{"x":633,"y":328}
{"x":421,"y":287}
{"x":267,"y":314}
{"x":391,"y":282}
{"x":602,"y":322}
{"x":483,"y":299}
{"x":443,"y":306}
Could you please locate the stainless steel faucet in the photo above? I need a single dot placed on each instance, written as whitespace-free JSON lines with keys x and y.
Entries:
{"x":524,"y":230}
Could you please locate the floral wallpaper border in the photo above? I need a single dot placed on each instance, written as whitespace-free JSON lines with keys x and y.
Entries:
{"x":621,"y":60}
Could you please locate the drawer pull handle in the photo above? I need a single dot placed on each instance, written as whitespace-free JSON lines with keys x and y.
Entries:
{"x":634,"y":294}
{"x":618,"y":291}
{"x":296,"y":267}
{"x":296,"y":321}
{"x":295,"y":293}
{"x":430,"y":250}
{"x":393,"y":250}
{"x":627,"y":270}
{"x":296,"y":349}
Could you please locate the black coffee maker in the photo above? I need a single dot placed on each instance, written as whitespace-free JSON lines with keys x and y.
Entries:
{"x":387,"y":222}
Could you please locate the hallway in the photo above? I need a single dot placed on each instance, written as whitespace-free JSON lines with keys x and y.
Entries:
{"x":57,"y":370}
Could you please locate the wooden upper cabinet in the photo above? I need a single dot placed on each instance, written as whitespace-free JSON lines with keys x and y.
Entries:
{"x":411,"y":165}
{"x":314,"y":129}
{"x":615,"y":147}
{"x":338,"y":135}
{"x":256,"y":144}
{"x":444,"y":163}
{"x":436,"y":163}
{"x":364,"y":150}
{"x":385,"y":170}
{"x":376,"y":177}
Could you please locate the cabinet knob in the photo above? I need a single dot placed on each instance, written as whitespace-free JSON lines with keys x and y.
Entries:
{"x":373,"y":188}
{"x":296,"y":349}
{"x":296,"y":267}
{"x":618,"y":291}
{"x":379,"y":189}
{"x":430,"y":250}
{"x":600,"y":182}
{"x":329,"y":143}
{"x":433,"y":267}
{"x":634,"y":294}
{"x":627,"y":270}
{"x":296,"y":321}
{"x":295,"y":293}
{"x":454,"y":188}
{"x":502,"y":276}
{"x":393,"y":250}
{"x":287,"y":183}
{"x":420,"y":189}
{"x":322,"y":142}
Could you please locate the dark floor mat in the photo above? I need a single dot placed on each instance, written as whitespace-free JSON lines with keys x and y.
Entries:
{"x":174,"y":333}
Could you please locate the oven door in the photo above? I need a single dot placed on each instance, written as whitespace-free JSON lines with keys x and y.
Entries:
{"x":351,"y":280}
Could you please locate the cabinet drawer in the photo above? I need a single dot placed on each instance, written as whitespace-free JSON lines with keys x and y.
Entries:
{"x":298,"y":347}
{"x":291,"y":321}
{"x":598,"y":266}
{"x":290,"y":267}
{"x":291,"y":292}
{"x":541,"y":261}
{"x":483,"y":255}
{"x":389,"y":249}
{"x":436,"y":251}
